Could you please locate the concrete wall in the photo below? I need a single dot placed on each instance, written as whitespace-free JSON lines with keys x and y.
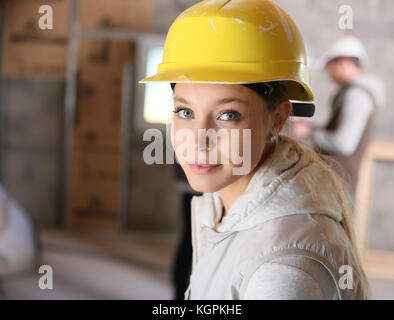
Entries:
{"x":32,"y":124}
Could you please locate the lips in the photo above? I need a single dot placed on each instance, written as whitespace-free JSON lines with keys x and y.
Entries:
{"x":203,"y":168}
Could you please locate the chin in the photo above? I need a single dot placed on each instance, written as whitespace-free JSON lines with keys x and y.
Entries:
{"x":205,"y":186}
{"x":207,"y":183}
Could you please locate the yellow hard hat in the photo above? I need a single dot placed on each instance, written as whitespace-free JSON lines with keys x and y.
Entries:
{"x":235,"y":42}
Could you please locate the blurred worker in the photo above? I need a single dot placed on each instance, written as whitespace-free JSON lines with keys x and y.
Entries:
{"x":346,"y":135}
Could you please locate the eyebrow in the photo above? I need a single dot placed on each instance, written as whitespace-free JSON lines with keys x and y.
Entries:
{"x":217,"y":103}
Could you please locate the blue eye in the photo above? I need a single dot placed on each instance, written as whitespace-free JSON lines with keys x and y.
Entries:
{"x":184,"y":113}
{"x":229,"y":116}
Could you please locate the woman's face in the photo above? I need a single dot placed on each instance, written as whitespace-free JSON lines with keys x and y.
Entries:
{"x":226,"y":111}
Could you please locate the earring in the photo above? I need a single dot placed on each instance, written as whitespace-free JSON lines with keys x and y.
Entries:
{"x":274,"y":136}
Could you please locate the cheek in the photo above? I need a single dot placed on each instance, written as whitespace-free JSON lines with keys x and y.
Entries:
{"x":180,"y":140}
{"x":259,"y":134}
{"x":175,"y":143}
{"x":337,"y":71}
{"x":259,"y":138}
{"x":230,"y":145}
{"x":332,"y":72}
{"x":181,"y":133}
{"x":244,"y":142}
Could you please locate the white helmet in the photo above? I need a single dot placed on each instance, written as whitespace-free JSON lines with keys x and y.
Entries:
{"x":346,"y":46}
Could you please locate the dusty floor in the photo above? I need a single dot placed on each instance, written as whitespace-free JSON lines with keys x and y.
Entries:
{"x":104,"y":266}
{"x":112,"y":266}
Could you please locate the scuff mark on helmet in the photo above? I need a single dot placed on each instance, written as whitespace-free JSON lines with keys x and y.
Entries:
{"x":272,"y":25}
{"x":238,"y":20}
{"x":213,"y":26}
{"x":285,"y":25}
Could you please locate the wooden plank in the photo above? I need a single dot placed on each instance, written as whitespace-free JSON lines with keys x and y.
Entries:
{"x":377,"y":263}
{"x":94,"y":195}
{"x":382,"y":151}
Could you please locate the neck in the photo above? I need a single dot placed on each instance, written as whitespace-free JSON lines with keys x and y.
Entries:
{"x":230,"y":193}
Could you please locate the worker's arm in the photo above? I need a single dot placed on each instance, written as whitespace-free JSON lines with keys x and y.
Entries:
{"x":291,"y":278}
{"x":357,"y":109}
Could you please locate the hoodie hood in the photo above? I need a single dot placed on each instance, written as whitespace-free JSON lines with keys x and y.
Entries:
{"x":289,"y":182}
{"x":375,"y":85}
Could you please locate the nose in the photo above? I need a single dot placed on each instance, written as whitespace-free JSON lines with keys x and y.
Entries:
{"x":206,"y":138}
{"x":202,"y":140}
{"x":203,"y":145}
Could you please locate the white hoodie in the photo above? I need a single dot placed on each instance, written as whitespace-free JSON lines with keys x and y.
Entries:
{"x":282,"y":238}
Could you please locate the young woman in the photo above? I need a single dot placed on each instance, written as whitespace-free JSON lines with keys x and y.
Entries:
{"x":273,"y":221}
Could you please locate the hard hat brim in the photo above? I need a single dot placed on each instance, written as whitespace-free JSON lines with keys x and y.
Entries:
{"x":297,"y":89}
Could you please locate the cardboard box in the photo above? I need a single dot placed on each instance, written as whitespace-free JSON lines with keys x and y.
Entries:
{"x":94,"y":190}
{"x":96,"y":139}
{"x":97,"y":52}
{"x":98,"y":108}
{"x":116,"y":14}
{"x":99,"y":93}
{"x":30,"y":52}
{"x":99,"y":98}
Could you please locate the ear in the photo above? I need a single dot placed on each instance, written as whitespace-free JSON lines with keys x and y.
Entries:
{"x":281,"y":114}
